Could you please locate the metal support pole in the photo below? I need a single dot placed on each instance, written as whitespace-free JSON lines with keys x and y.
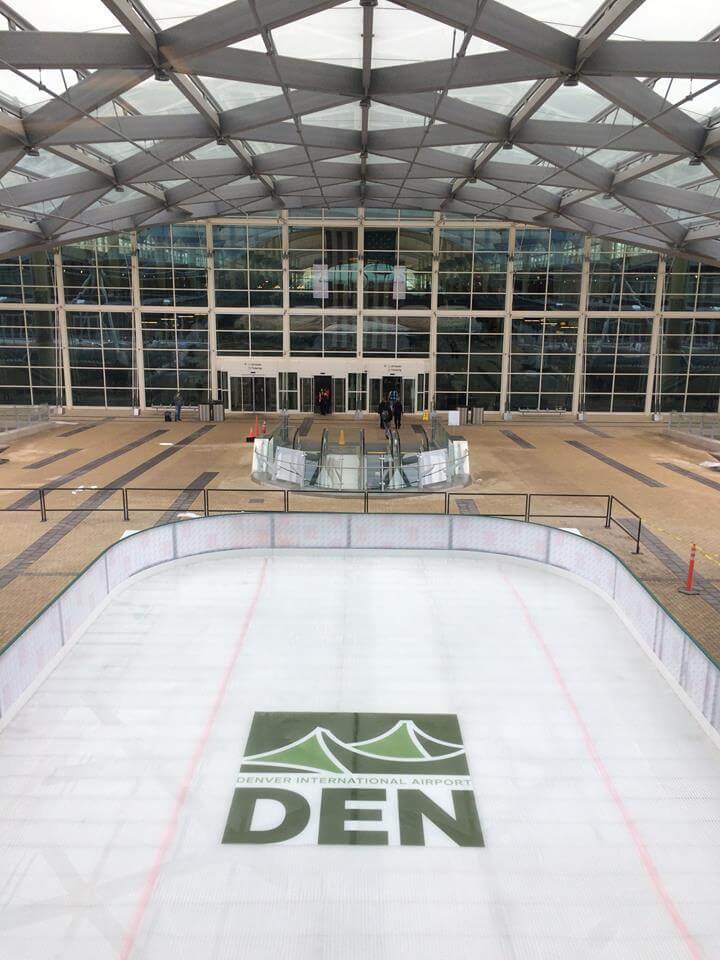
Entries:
{"x":447,"y":504}
{"x":608,"y":511}
{"x":43,"y":508}
{"x":637,"y":542}
{"x":366,"y":502}
{"x":126,"y":507}
{"x":286,"y":501}
{"x":528,"y":497}
{"x":206,"y":502}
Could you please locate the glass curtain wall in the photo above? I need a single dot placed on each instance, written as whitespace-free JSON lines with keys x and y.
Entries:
{"x":175,"y":351}
{"x":30,"y":357}
{"x":542,"y":363}
{"x":617,"y":355}
{"x":102,"y":358}
{"x":472,"y":268}
{"x":248,"y":266}
{"x":98,"y":272}
{"x":173,"y":265}
{"x":408,"y":277}
{"x":547,"y":270}
{"x":469,"y":362}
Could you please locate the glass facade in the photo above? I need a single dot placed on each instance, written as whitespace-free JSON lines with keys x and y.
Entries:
{"x":482,"y":314}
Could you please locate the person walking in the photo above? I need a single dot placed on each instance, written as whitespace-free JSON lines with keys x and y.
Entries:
{"x":382,"y":406}
{"x":178,"y":401}
{"x":386,"y":420}
{"x":393,"y":396}
{"x":397,"y":409}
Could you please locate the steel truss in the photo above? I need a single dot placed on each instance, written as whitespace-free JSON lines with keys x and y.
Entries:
{"x":567,"y":186}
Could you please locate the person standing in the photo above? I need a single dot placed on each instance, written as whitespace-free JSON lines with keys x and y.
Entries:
{"x":393,"y":396}
{"x":397,"y":409}
{"x":178,"y":401}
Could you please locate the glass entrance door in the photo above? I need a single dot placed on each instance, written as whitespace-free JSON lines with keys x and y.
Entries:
{"x":408,"y":396}
{"x":253,"y":394}
{"x":306,"y":394}
{"x":339,"y":395}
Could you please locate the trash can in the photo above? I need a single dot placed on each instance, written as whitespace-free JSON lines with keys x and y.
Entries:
{"x":463,"y":413}
{"x":217,"y":409}
{"x":204,"y":412}
{"x":477,"y":416}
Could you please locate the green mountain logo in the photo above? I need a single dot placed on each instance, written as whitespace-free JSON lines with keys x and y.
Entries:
{"x":403,"y":746}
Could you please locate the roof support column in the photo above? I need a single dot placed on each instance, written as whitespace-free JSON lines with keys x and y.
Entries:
{"x":578,"y":397}
{"x":211,"y":319}
{"x":507,"y":329}
{"x":653,"y":378}
{"x":139,"y":385}
{"x":62,"y":326}
{"x":285,"y":245}
{"x":434,"y":283}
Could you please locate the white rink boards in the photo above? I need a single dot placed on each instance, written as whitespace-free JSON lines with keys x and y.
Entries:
{"x":597,"y":792}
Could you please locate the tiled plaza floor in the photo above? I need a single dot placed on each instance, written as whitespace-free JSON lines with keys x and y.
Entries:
{"x":657,"y":477}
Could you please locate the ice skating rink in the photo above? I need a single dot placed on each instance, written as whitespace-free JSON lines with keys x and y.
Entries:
{"x":597,"y":792}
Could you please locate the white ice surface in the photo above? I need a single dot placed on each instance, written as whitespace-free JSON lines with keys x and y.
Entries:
{"x":92,"y":766}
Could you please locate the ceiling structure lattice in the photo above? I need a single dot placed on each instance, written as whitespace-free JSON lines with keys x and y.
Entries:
{"x":549,"y":112}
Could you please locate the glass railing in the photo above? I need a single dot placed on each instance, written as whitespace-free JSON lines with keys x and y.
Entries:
{"x":705,"y":425}
{"x":15,"y":418}
{"x":348,"y":461}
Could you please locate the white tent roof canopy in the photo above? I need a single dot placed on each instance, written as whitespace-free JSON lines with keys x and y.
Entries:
{"x":548,"y":112}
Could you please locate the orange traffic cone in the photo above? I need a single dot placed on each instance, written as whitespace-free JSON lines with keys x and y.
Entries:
{"x":264,"y":425}
{"x":253,"y":432}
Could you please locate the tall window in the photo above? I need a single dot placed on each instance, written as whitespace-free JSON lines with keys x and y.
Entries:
{"x":690,"y":364}
{"x":323,"y":335}
{"x":248,"y":266}
{"x":28,"y":279}
{"x":396,"y":336}
{"x":30,"y":358}
{"x":397,"y":270}
{"x":98,"y":271}
{"x":469,"y":362}
{"x":173,"y":265}
{"x":176,"y":357}
{"x":548,"y":269}
{"x":102,"y":358}
{"x":250,"y":335}
{"x":323,"y":264}
{"x":690,"y":285}
{"x":622,"y":277}
{"x":472,"y":268}
{"x":542,"y":363}
{"x":617,"y":353}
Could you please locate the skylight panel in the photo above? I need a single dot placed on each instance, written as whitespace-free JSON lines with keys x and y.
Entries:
{"x":333,"y":36}
{"x":403,"y":36}
{"x":88,"y":15}
{"x":569,"y":16}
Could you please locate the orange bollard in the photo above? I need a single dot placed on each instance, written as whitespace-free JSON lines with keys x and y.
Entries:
{"x":689,"y":588}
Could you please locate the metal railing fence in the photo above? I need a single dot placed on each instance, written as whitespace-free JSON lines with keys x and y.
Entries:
{"x":211,"y":501}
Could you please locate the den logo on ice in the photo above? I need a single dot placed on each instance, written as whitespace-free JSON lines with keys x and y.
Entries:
{"x":354,"y":778}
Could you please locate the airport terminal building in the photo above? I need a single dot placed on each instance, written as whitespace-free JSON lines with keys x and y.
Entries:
{"x":265,"y":312}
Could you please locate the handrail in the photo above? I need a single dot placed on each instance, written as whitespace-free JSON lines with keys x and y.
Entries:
{"x":525,"y":510}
